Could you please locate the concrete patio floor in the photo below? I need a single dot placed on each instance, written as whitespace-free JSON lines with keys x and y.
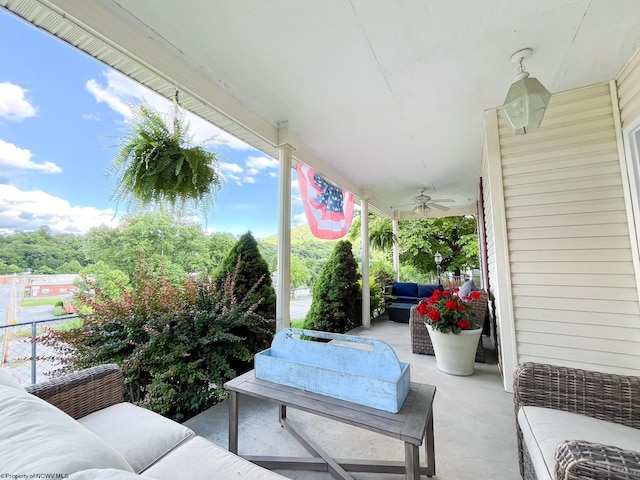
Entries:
{"x":474,"y":424}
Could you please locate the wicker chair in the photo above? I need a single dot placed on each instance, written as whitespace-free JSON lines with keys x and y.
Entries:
{"x":420,"y":340}
{"x":609,"y":397}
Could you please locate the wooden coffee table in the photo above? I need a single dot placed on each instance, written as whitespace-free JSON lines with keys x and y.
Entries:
{"x":412,"y":424}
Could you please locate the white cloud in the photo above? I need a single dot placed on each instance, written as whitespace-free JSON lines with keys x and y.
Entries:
{"x":13,"y":104}
{"x":22,"y":210}
{"x":19,"y":158}
{"x":249,"y":180}
{"x":253,"y":171}
{"x":273,"y":174}
{"x":120,"y":90}
{"x":262,"y":163}
{"x":299,"y":219}
{"x":89,"y":116}
{"x":231,"y":168}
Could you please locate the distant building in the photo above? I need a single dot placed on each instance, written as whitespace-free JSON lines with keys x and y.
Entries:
{"x":51,"y":285}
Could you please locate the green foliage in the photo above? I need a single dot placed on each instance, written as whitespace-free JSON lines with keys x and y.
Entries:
{"x":38,"y":249}
{"x":59,"y":303}
{"x":58,"y":311}
{"x":158,"y":163}
{"x":454,"y":237}
{"x":72,"y":266}
{"x":252,"y":270}
{"x":163,"y":239}
{"x":337,"y":303}
{"x":300,"y":273}
{"x":313,"y":252}
{"x":110,"y":281}
{"x":219,"y":245}
{"x":177,"y":345}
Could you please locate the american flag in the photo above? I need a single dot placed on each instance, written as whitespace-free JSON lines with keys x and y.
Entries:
{"x":328,"y":208}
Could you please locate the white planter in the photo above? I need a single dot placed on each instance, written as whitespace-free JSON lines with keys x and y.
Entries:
{"x":455,"y":353}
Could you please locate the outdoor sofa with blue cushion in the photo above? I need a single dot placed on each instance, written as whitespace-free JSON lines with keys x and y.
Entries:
{"x":410,"y":292}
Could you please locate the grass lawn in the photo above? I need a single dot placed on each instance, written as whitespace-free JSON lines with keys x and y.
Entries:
{"x":37,"y":302}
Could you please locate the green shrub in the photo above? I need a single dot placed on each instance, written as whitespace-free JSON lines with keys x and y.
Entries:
{"x":177,"y":345}
{"x":252,"y":279}
{"x":58,"y":311}
{"x":337,"y":301}
{"x":59,"y":303}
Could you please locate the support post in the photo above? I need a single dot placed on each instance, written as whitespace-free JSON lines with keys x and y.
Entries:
{"x":283,"y":292}
{"x":396,"y":250}
{"x":364,"y":230}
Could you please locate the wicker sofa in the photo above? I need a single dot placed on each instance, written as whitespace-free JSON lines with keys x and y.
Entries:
{"x":78,"y":427}
{"x":576,"y":424}
{"x":420,"y":340}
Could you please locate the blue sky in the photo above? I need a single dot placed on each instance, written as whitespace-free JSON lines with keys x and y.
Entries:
{"x":60,"y":112}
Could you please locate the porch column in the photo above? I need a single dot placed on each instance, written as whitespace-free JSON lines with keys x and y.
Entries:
{"x":283,"y":292}
{"x":364,"y":230}
{"x":396,"y":250}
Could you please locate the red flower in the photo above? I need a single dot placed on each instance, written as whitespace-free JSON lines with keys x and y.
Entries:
{"x":464,"y":324}
{"x":451,"y":305}
{"x":434,"y":316}
{"x":436,"y":295}
{"x":423,"y":306}
{"x":475,"y":295}
{"x":462,"y":308}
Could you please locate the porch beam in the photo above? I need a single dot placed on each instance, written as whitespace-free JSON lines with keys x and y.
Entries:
{"x":364,"y":231}
{"x":283,"y":292}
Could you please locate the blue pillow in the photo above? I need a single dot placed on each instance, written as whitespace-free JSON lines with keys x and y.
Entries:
{"x":405,"y":289}
{"x":425,"y":291}
{"x":466,"y":288}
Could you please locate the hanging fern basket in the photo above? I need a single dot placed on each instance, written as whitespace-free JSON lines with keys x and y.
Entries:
{"x":158,"y":163}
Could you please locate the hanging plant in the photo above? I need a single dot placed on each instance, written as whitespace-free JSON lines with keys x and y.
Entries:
{"x":159,"y":163}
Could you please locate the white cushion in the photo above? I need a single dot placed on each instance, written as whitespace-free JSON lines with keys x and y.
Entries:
{"x":9,"y":380}
{"x":543,"y":429}
{"x":139,"y":435}
{"x":199,"y":459}
{"x":106,"y":474}
{"x":37,"y":438}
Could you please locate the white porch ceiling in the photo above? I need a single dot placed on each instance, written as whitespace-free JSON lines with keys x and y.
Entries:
{"x":384,"y":97}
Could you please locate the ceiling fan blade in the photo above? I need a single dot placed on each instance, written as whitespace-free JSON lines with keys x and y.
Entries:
{"x":443,"y":200}
{"x":439,"y":207}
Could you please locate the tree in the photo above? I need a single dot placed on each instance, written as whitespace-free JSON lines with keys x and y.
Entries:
{"x":162,"y":239}
{"x":336,"y":305}
{"x":300,"y":273}
{"x":220,"y":244}
{"x":252,"y":268}
{"x":454,"y":237}
{"x":111,"y":281}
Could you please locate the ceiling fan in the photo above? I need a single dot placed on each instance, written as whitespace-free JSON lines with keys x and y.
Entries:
{"x":424,"y":203}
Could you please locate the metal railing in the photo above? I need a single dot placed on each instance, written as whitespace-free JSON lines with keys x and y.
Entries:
{"x":23,"y":354}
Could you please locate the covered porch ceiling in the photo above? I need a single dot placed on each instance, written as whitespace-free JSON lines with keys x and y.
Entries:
{"x":383,"y":97}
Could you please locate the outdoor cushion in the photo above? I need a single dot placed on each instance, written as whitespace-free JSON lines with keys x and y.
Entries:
{"x":141,"y":436}
{"x":38,"y":438}
{"x":425,"y":291}
{"x":203,"y":460}
{"x":8,"y":380}
{"x":543,"y":429}
{"x":466,"y":288}
{"x":412,"y":300}
{"x":405,"y":289}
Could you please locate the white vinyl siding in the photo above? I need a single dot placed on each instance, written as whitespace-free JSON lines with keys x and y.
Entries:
{"x":628,"y":84}
{"x":573,"y":285}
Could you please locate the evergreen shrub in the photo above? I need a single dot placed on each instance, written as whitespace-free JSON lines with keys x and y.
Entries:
{"x":337,"y":302}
